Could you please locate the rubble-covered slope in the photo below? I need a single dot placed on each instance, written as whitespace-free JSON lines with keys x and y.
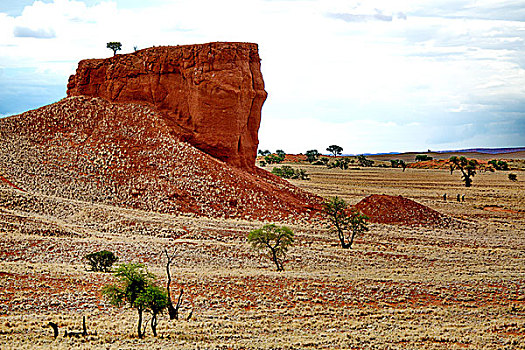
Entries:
{"x":124,"y":154}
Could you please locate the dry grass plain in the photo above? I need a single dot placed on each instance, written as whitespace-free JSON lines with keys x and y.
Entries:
{"x":461,"y":287}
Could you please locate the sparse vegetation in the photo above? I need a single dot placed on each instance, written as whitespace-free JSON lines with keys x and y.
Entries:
{"x":136,"y":287}
{"x":273,"y":159}
{"x":312,"y":155}
{"x":387,"y":277}
{"x":322,"y":161}
{"x":287,"y":172}
{"x":281,"y":154}
{"x":364,"y":162}
{"x":467,"y":167}
{"x":423,"y":158}
{"x":274,"y":240}
{"x":513,"y":177}
{"x":345,"y":222}
{"x":276,"y":158}
{"x":499,"y":164}
{"x":335,"y":150}
{"x":101,"y":261}
{"x":397,"y":163}
{"x":153,"y":299}
{"x":115,"y":46}
{"x":341,"y":163}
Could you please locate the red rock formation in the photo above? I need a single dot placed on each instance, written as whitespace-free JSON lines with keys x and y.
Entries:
{"x":209,"y":95}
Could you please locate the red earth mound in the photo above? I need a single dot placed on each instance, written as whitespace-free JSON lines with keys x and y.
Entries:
{"x":398,"y":210}
{"x":125,"y":154}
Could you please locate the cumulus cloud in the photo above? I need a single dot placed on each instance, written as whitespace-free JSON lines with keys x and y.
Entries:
{"x":350,"y":17}
{"x":399,"y":70}
{"x":39,"y":33}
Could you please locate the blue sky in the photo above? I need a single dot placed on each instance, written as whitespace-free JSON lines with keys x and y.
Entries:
{"x":370,"y":76}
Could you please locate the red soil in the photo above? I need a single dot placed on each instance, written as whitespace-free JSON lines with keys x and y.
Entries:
{"x":4,"y":180}
{"x":386,"y":209}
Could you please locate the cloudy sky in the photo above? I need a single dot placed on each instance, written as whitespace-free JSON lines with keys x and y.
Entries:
{"x":370,"y":76}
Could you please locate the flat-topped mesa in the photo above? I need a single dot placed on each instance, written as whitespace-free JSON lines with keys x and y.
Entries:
{"x":210,"y":95}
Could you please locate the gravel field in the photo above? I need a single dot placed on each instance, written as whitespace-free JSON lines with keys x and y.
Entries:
{"x":399,"y":287}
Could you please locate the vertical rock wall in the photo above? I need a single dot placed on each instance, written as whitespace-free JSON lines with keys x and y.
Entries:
{"x":210,"y":95}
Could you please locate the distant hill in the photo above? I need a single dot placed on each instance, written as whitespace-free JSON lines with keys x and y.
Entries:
{"x":487,"y":150}
{"x":477,"y":153}
{"x":467,"y":150}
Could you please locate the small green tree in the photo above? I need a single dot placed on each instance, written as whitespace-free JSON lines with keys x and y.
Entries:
{"x":136,"y":287}
{"x":264,"y":153}
{"x":312,"y":155}
{"x":467,"y":167}
{"x":115,"y":46}
{"x":273,"y":239}
{"x":154,"y":299}
{"x":344,"y":221}
{"x":101,"y":261}
{"x":335,"y":150}
{"x":403,"y":164}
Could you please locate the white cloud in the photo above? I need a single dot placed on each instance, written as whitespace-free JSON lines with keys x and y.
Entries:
{"x":369,"y":68}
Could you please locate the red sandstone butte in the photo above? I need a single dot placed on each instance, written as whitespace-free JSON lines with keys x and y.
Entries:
{"x":210,"y":95}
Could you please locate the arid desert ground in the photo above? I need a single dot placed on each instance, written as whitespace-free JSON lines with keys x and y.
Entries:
{"x":399,"y":287}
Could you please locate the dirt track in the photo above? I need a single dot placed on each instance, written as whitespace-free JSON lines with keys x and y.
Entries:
{"x":399,"y":287}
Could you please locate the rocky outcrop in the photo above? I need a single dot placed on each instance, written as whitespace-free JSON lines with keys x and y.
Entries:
{"x":209,"y":95}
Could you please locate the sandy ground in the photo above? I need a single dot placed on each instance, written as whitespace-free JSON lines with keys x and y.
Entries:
{"x":461,"y":287}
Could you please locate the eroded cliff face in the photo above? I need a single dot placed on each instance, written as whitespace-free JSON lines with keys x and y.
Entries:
{"x":209,"y":95}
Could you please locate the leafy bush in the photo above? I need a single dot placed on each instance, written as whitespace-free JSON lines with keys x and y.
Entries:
{"x":312,"y":155}
{"x":273,"y":159}
{"x":101,"y":261}
{"x":273,"y":239}
{"x":276,"y":158}
{"x":394,"y":163}
{"x":499,"y":164}
{"x":423,"y":157}
{"x":341,"y":163}
{"x":513,"y":177}
{"x":364,"y":162}
{"x":287,"y":172}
